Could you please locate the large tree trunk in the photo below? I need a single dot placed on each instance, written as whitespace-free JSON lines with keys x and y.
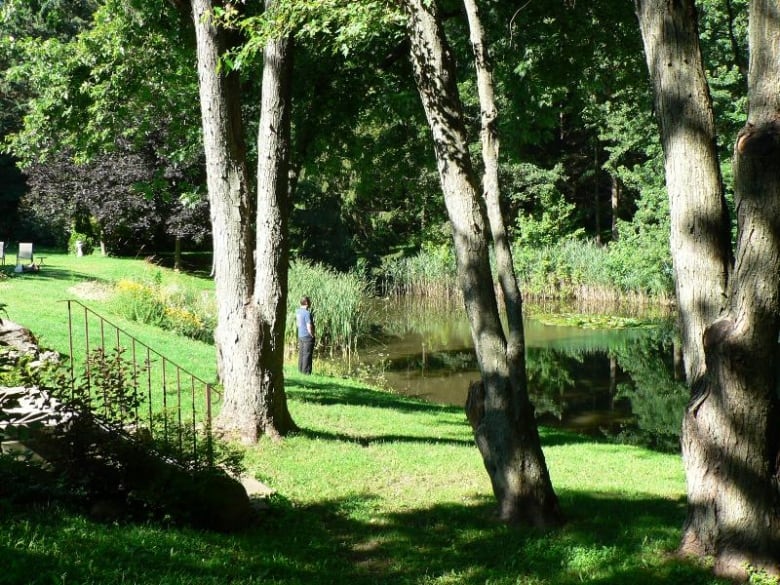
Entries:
{"x":700,"y":229}
{"x":730,"y":434}
{"x":734,"y":451}
{"x":239,"y":334}
{"x":505,"y":428}
{"x":272,"y":251}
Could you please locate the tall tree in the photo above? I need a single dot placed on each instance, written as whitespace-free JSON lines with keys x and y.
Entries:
{"x":700,"y":230}
{"x":730,"y":317}
{"x":92,"y":90}
{"x":254,"y":400}
{"x":501,"y":412}
{"x":102,"y":200}
{"x":272,"y":242}
{"x":52,"y":19}
{"x":492,"y":194}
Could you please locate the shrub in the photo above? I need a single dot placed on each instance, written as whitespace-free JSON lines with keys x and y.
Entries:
{"x":139,"y":302}
{"x":87,"y":243}
{"x":641,"y":261}
{"x":187,"y":312}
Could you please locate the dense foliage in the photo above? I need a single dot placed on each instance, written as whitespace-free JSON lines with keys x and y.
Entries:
{"x":98,"y":89}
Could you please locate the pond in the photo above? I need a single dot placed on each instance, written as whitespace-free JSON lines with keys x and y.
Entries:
{"x":616,"y":382}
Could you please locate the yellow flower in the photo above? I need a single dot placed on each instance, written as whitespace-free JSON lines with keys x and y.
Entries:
{"x":130,"y":286}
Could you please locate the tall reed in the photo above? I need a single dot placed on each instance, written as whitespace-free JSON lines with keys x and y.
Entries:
{"x":430,"y":273}
{"x":586,"y":271}
{"x":339,"y":304}
{"x":626,"y":271}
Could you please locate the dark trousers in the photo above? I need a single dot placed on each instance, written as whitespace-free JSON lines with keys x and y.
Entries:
{"x":305,"y":354}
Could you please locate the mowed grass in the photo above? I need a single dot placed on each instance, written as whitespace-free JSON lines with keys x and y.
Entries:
{"x":375,"y":488}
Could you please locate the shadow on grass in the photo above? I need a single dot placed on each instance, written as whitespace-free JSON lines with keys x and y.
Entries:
{"x":326,"y":393}
{"x":47,"y":273}
{"x":367,"y":440}
{"x":607,"y":541}
{"x":44,"y":273}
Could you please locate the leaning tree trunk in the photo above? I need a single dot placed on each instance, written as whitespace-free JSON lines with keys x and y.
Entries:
{"x":238,"y":334}
{"x":272,"y":250}
{"x":505,"y":428}
{"x":505,"y":268}
{"x":730,"y":435}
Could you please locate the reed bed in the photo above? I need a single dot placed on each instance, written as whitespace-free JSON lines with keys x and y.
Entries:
{"x":585,"y":270}
{"x":431,"y":273}
{"x":570,"y":270}
{"x":340,"y":305}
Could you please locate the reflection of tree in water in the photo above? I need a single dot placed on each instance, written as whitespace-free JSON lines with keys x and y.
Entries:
{"x":549,"y":380}
{"x":614,"y":383}
{"x":657,"y":399}
{"x":436,"y":362}
{"x":431,"y":319}
{"x":626,"y":391}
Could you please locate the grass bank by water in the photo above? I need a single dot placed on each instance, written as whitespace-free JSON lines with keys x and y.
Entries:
{"x":376,"y":488}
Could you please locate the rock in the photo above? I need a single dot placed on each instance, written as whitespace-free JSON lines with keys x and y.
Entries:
{"x":219,"y":503}
{"x":19,"y":338}
{"x":122,"y":473}
{"x":255,"y":487}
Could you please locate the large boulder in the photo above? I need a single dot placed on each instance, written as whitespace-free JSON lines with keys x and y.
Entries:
{"x":128,"y":478}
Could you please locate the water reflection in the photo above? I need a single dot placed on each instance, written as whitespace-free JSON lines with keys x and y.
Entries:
{"x":616,"y":383}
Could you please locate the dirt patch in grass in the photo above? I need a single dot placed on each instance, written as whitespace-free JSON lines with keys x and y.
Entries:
{"x":92,"y":291}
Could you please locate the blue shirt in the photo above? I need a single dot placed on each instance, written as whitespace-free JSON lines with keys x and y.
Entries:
{"x":303,"y":318}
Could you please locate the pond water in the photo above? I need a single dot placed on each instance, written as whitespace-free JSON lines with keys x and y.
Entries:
{"x":607,"y":382}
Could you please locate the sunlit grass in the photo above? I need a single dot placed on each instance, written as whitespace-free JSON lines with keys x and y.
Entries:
{"x":375,"y":488}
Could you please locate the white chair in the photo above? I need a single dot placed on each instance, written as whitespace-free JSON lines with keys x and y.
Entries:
{"x":25,"y":252}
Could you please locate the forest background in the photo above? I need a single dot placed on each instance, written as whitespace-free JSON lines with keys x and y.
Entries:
{"x":100,"y":113}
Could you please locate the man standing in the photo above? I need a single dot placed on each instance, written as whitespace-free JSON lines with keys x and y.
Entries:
{"x":305,"y":322}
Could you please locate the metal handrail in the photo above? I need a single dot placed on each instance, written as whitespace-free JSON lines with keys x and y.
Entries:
{"x":141,"y":359}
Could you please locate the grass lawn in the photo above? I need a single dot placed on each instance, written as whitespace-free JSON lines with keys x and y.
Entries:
{"x":376,"y":488}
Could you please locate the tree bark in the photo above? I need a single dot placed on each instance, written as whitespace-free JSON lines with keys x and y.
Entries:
{"x":736,"y":419}
{"x":700,"y":240}
{"x":731,"y":441}
{"x":513,"y":301}
{"x":272,"y":246}
{"x":502,"y":416}
{"x":239,"y":334}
